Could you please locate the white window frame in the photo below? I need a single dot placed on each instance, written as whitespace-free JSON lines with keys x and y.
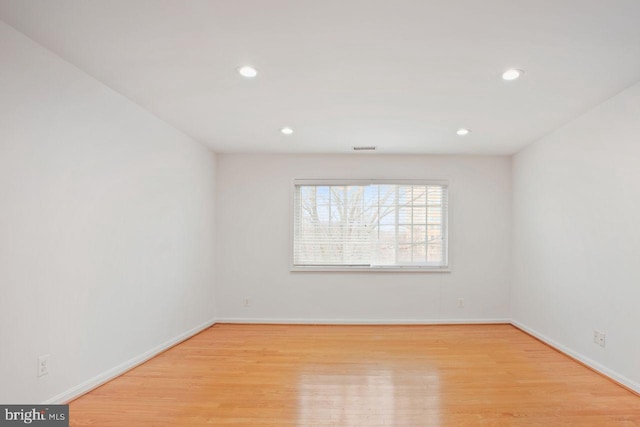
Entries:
{"x":388,"y":269}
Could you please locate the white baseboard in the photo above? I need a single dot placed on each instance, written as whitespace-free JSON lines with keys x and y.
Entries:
{"x":116,"y":371}
{"x":632,"y":385}
{"x":362,"y":321}
{"x":98,"y":380}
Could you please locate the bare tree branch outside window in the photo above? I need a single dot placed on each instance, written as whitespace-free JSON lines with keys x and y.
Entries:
{"x":381,"y":224}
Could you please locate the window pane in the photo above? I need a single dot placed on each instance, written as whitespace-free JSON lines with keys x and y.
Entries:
{"x":434,"y":195}
{"x":404,"y":254}
{"x":387,"y":215}
{"x":387,"y":194}
{"x":419,"y":195}
{"x":419,"y":234}
{"x":380,"y":224}
{"x":385,"y":254}
{"x":404,"y":234}
{"x":434,"y":215}
{"x":387,"y":233}
{"x":420,"y":253}
{"x":434,"y":252}
{"x":419,"y":215}
{"x":404,"y":195}
{"x":404,"y":215}
{"x":321,"y":214}
{"x":322,"y":194}
{"x":434,"y":233}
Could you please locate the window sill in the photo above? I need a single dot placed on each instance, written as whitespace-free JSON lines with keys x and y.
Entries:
{"x":316,"y":269}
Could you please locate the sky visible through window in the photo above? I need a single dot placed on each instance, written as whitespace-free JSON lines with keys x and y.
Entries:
{"x":377,"y":224}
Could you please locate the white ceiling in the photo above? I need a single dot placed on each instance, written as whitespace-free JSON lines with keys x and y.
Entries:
{"x":401,"y":75}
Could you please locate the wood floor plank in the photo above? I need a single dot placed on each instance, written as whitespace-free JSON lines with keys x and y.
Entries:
{"x":319,"y":375}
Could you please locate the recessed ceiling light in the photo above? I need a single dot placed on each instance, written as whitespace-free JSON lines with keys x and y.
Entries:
{"x":286,"y":131}
{"x":512,"y":74}
{"x":463,"y":132}
{"x":247,"y":71}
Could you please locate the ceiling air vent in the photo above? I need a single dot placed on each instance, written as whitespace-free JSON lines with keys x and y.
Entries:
{"x":364,"y":148}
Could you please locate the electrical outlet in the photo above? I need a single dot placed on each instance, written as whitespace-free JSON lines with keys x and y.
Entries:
{"x":43,"y":365}
{"x":246,"y":302}
{"x":601,"y":339}
{"x":460,"y":303}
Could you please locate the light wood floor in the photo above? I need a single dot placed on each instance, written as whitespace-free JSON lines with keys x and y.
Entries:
{"x":368,"y":376}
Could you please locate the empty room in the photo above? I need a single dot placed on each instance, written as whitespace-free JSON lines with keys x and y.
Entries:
{"x":319,"y":213}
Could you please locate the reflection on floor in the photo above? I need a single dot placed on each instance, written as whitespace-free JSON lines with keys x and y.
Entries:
{"x":370,"y":398}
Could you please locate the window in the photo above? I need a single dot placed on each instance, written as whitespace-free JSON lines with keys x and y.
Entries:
{"x":370,"y":225}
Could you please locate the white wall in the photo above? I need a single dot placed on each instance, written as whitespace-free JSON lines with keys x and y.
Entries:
{"x":106,"y":226}
{"x":577,"y":236}
{"x":107,"y":221}
{"x":253,"y":220}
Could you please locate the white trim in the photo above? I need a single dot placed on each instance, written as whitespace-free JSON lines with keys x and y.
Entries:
{"x":116,"y":371}
{"x":298,"y":321}
{"x":355,"y":269}
{"x":441,"y":181}
{"x":580,"y":357}
{"x":333,"y":181}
